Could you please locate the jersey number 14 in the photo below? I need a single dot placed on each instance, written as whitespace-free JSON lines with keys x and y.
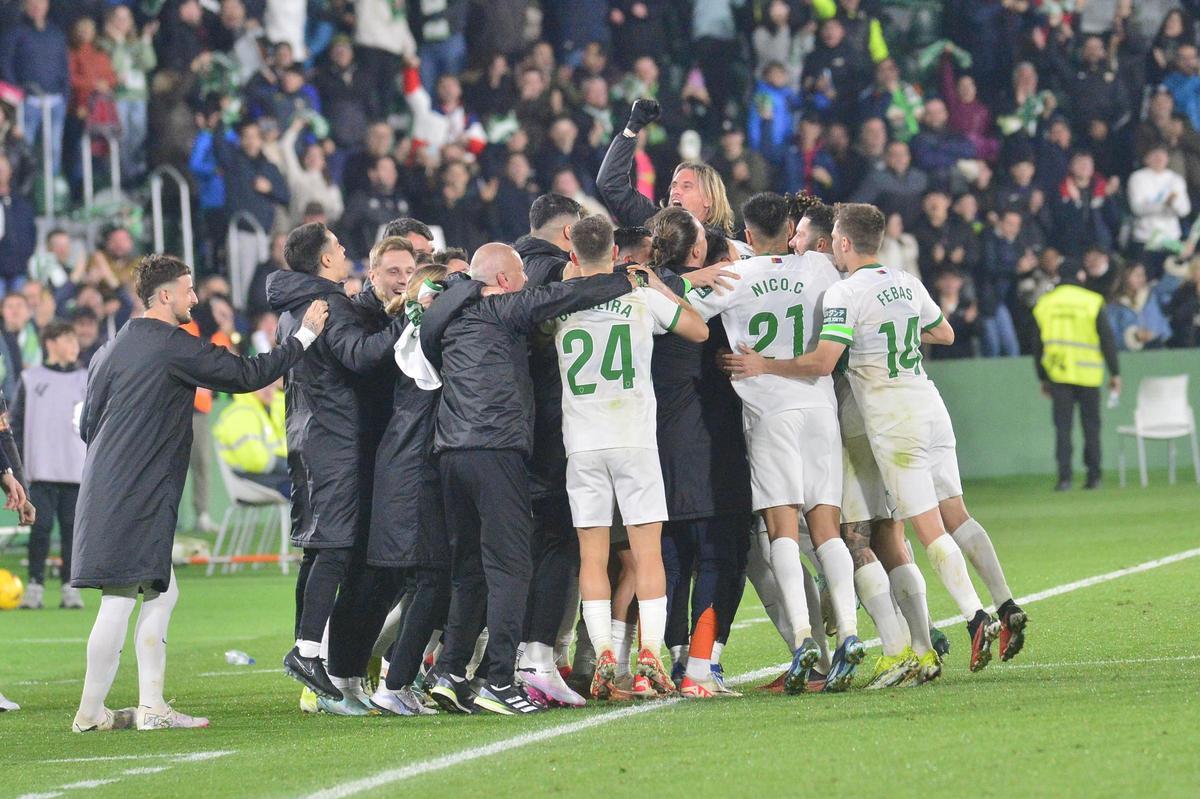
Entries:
{"x":620,"y":345}
{"x":910,"y":358}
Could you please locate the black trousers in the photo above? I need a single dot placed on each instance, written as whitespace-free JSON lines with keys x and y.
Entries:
{"x":1064,"y":398}
{"x":711,"y":548}
{"x":365,"y":598}
{"x":428,"y":602}
{"x":555,"y":568}
{"x":53,"y":501}
{"x":490,"y":522}
{"x":321,"y":573}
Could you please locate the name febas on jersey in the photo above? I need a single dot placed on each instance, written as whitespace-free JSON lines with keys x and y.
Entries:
{"x":879,"y":314}
{"x":776,"y":309}
{"x":604,"y":361}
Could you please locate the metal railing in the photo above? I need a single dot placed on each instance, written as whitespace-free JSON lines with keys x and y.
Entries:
{"x":238,"y":276}
{"x":114,"y":168}
{"x":185,"y":209}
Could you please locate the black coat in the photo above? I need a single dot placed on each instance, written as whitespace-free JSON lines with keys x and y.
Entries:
{"x":701,"y":446}
{"x":331,"y":431}
{"x":408,"y":526}
{"x":616,"y":189}
{"x":544,"y":264}
{"x":479,"y":344}
{"x":137,"y":422}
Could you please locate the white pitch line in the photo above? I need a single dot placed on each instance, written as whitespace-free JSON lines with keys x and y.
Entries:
{"x":178,"y":757}
{"x":1093,"y":663}
{"x":456,"y":758}
{"x":239,"y":672}
{"x":750,"y":622}
{"x":135,"y":772}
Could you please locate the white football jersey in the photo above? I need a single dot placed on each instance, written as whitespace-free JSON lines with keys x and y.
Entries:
{"x":879,"y":314}
{"x":604,"y":361}
{"x":776,"y":309}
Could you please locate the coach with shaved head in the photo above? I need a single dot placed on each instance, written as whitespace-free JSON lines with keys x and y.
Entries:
{"x":476,"y":335}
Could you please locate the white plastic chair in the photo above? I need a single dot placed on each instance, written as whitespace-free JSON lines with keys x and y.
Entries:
{"x":250,"y":505}
{"x":1162,"y":414}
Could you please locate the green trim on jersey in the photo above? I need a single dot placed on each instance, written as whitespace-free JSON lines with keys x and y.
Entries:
{"x":675,"y":320}
{"x":687,"y":285}
{"x":842,"y":334}
{"x":933,"y":324}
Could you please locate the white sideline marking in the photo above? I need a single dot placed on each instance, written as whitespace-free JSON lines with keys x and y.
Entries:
{"x":133,"y":772}
{"x":88,"y":784}
{"x":239,"y":672}
{"x":456,"y":758}
{"x":67,"y":681}
{"x":750,"y":622}
{"x":177,"y":757}
{"x":1090,"y":663}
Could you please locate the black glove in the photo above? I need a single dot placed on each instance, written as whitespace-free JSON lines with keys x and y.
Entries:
{"x":644,"y":112}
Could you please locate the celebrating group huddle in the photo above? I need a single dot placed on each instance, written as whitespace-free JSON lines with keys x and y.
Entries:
{"x":564,"y":445}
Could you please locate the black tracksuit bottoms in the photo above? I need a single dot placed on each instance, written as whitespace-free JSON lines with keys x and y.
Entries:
{"x":490,"y":522}
{"x":1065,"y":397}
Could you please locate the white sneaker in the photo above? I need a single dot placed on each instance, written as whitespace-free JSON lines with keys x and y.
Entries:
{"x":121,"y":719}
{"x":70,"y":598}
{"x":400,"y":703}
{"x":550,"y":686}
{"x":7,"y":705}
{"x":169,"y":719}
{"x":32,"y":600}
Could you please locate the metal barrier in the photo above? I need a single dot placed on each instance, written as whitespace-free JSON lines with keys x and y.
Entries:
{"x":114,"y":167}
{"x":185,"y":209}
{"x":239,"y":276}
{"x":47,"y":134}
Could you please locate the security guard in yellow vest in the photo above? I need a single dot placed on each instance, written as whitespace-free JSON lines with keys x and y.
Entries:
{"x":1075,"y":344}
{"x":251,"y":438}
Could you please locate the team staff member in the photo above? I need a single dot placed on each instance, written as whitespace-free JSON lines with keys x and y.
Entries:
{"x":252,"y":440}
{"x":136,"y":421}
{"x":1074,"y":345}
{"x":326,"y":426}
{"x":476,"y":335}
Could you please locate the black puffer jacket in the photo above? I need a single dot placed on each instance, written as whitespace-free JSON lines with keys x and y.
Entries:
{"x":616,"y":189}
{"x":544,"y":264}
{"x":328,"y":435}
{"x":479,"y":343}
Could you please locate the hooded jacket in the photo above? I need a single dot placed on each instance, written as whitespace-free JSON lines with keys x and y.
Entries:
{"x":334,"y":400}
{"x":479,"y":343}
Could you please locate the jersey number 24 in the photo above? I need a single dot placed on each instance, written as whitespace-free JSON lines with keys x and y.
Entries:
{"x":620,"y":345}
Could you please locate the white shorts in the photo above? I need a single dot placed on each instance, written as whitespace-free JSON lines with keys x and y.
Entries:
{"x":795,"y":459}
{"x":864,"y":496}
{"x":918,"y":462}
{"x":632,"y":477}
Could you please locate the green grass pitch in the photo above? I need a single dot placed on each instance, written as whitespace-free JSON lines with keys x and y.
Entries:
{"x":1102,"y":702}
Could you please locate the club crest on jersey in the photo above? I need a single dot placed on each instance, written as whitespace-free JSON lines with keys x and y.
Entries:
{"x":835,"y":316}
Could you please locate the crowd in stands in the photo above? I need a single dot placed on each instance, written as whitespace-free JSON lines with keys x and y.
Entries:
{"x":1006,"y":140}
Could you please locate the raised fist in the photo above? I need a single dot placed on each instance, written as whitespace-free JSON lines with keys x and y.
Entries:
{"x":644,"y":112}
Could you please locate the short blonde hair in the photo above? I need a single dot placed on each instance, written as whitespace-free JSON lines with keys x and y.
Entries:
{"x":390,"y":244}
{"x":433,"y":272}
{"x":720,"y":212}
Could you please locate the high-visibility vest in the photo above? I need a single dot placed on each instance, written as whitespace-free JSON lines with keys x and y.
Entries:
{"x":204,"y":396}
{"x":251,"y":438}
{"x":1066,"y":317}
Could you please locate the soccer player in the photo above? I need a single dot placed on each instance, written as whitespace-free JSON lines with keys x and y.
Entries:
{"x":609,"y":432}
{"x":882,"y":316}
{"x":136,"y":421}
{"x":791,"y":428}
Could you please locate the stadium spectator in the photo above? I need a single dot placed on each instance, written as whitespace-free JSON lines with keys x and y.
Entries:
{"x":13,"y":145}
{"x":1158,"y":200}
{"x":780,"y":39}
{"x":33,"y":56}
{"x":896,"y":187}
{"x":43,"y":425}
{"x":953,"y":296}
{"x":133,"y":60}
{"x":899,"y":249}
{"x":937,"y":149}
{"x":19,"y":345}
{"x":18,"y":234}
{"x":807,"y":167}
{"x":251,"y":439}
{"x":1138,"y":318}
{"x":1008,"y":253}
{"x":744,"y":171}
{"x":893,"y":100}
{"x":1084,"y":213}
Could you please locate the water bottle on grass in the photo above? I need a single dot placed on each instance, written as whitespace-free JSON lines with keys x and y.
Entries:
{"x":236,"y":657}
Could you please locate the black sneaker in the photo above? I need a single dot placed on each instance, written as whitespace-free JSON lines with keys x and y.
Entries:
{"x":1062,"y":485}
{"x":507,"y":701}
{"x":453,"y":696}
{"x":310,"y":672}
{"x":1012,"y":629}
{"x":941,"y":644}
{"x":1092,"y":484}
{"x":983,"y":630}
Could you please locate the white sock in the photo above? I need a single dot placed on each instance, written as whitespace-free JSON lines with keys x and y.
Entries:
{"x":718,"y":648}
{"x":976,"y":544}
{"x":699,"y":668}
{"x":308,"y":649}
{"x":621,"y":643}
{"x":597,"y":617}
{"x":391,"y":628}
{"x":758,"y":571}
{"x":871,"y":582}
{"x":905,"y":635}
{"x":947,"y":560}
{"x":150,"y":641}
{"x":325,"y":644}
{"x":838,"y":566}
{"x":908,"y":587}
{"x":477,"y":655}
{"x":813,"y":595}
{"x":789,"y":574}
{"x":343,"y":684}
{"x":652,"y":614}
{"x":537,"y":656}
{"x":104,"y":652}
